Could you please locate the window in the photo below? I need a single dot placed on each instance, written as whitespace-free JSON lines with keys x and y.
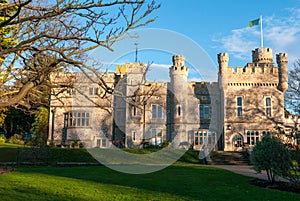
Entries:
{"x":134,"y":111}
{"x":203,"y":137}
{"x":237,"y":141}
{"x":157,"y":112}
{"x":239,"y":103}
{"x":156,"y":136}
{"x":79,"y":119}
{"x":71,"y":91}
{"x":102,"y":142}
{"x":133,"y":136}
{"x":204,"y":112}
{"x":196,"y":138}
{"x":268,"y":107}
{"x":179,"y":110}
{"x":93,"y":91}
{"x":98,"y":142}
{"x":252,"y":137}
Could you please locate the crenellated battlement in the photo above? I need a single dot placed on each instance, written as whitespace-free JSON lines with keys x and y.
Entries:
{"x":252,"y":69}
{"x":71,"y":77}
{"x":260,"y":72}
{"x":178,"y":60}
{"x":264,"y":55}
{"x":282,"y":58}
{"x":223,"y":57}
{"x":206,"y":84}
{"x":179,"y":67}
{"x":251,"y":73}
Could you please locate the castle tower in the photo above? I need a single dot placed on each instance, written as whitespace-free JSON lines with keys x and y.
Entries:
{"x":264,"y":55}
{"x":282,"y":60}
{"x":183,"y":121}
{"x":179,"y":70}
{"x":252,"y":96}
{"x":223,"y":59}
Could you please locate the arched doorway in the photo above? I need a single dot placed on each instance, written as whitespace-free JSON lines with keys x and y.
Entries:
{"x":237,"y":141}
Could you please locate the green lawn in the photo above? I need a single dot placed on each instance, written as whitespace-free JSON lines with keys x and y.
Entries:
{"x":102,"y":183}
{"x":9,"y":153}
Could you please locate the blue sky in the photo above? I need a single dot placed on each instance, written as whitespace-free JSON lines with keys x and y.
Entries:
{"x":221,"y":26}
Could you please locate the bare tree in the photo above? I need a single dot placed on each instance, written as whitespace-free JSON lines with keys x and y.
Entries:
{"x":57,"y":35}
{"x":292,"y":96}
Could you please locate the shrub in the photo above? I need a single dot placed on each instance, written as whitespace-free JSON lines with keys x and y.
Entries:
{"x":74,"y":144}
{"x":271,"y":155}
{"x":81,"y":145}
{"x":166,"y":143}
{"x":2,"y":139}
{"x":15,"y":139}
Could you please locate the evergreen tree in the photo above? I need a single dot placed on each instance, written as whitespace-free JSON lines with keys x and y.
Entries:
{"x":40,"y":126}
{"x":271,"y":155}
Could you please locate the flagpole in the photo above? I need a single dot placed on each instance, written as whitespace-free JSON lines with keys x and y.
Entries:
{"x":261,"y":33}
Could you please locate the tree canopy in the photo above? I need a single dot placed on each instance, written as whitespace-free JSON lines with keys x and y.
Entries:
{"x":271,"y":155}
{"x":41,"y":37}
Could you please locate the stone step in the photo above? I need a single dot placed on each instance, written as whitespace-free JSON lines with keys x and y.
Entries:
{"x":228,"y":158}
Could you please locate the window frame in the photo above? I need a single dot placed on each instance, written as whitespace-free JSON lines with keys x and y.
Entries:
{"x":94,"y":91}
{"x":268,"y":106}
{"x":204,"y":111}
{"x":79,"y":119}
{"x":157,"y":111}
{"x":239,"y":106}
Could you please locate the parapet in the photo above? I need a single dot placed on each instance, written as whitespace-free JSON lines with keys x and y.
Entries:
{"x":130,"y":68}
{"x":178,"y":60}
{"x":179,"y":67}
{"x":62,"y":77}
{"x":282,"y":58}
{"x":252,"y":69}
{"x":223,"y":57}
{"x":264,"y":55}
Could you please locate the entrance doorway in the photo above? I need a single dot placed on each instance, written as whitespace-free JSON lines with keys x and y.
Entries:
{"x":237,"y":141}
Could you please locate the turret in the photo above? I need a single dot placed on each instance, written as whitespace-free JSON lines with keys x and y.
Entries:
{"x":223,"y":59}
{"x":264,"y":55}
{"x":179,"y":68}
{"x":282,"y":60}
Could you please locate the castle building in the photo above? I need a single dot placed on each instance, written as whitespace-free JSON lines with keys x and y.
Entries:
{"x":123,"y":109}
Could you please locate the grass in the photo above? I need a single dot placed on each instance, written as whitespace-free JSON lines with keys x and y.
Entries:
{"x":9,"y":153}
{"x":102,"y":183}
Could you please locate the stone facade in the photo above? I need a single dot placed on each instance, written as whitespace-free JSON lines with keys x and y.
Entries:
{"x":253,"y":97}
{"x":246,"y":103}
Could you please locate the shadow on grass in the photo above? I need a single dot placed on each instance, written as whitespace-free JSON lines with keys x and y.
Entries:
{"x":187,"y":183}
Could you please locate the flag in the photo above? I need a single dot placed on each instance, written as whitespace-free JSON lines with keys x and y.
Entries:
{"x":253,"y":23}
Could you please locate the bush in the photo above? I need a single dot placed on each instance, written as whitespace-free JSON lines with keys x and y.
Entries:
{"x":74,"y":144}
{"x":15,"y":139}
{"x":2,"y":139}
{"x":271,"y":155}
{"x":166,"y":143}
{"x":81,"y":145}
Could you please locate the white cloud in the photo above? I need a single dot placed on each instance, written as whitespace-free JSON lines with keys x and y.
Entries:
{"x":154,"y":65}
{"x":281,"y":33}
